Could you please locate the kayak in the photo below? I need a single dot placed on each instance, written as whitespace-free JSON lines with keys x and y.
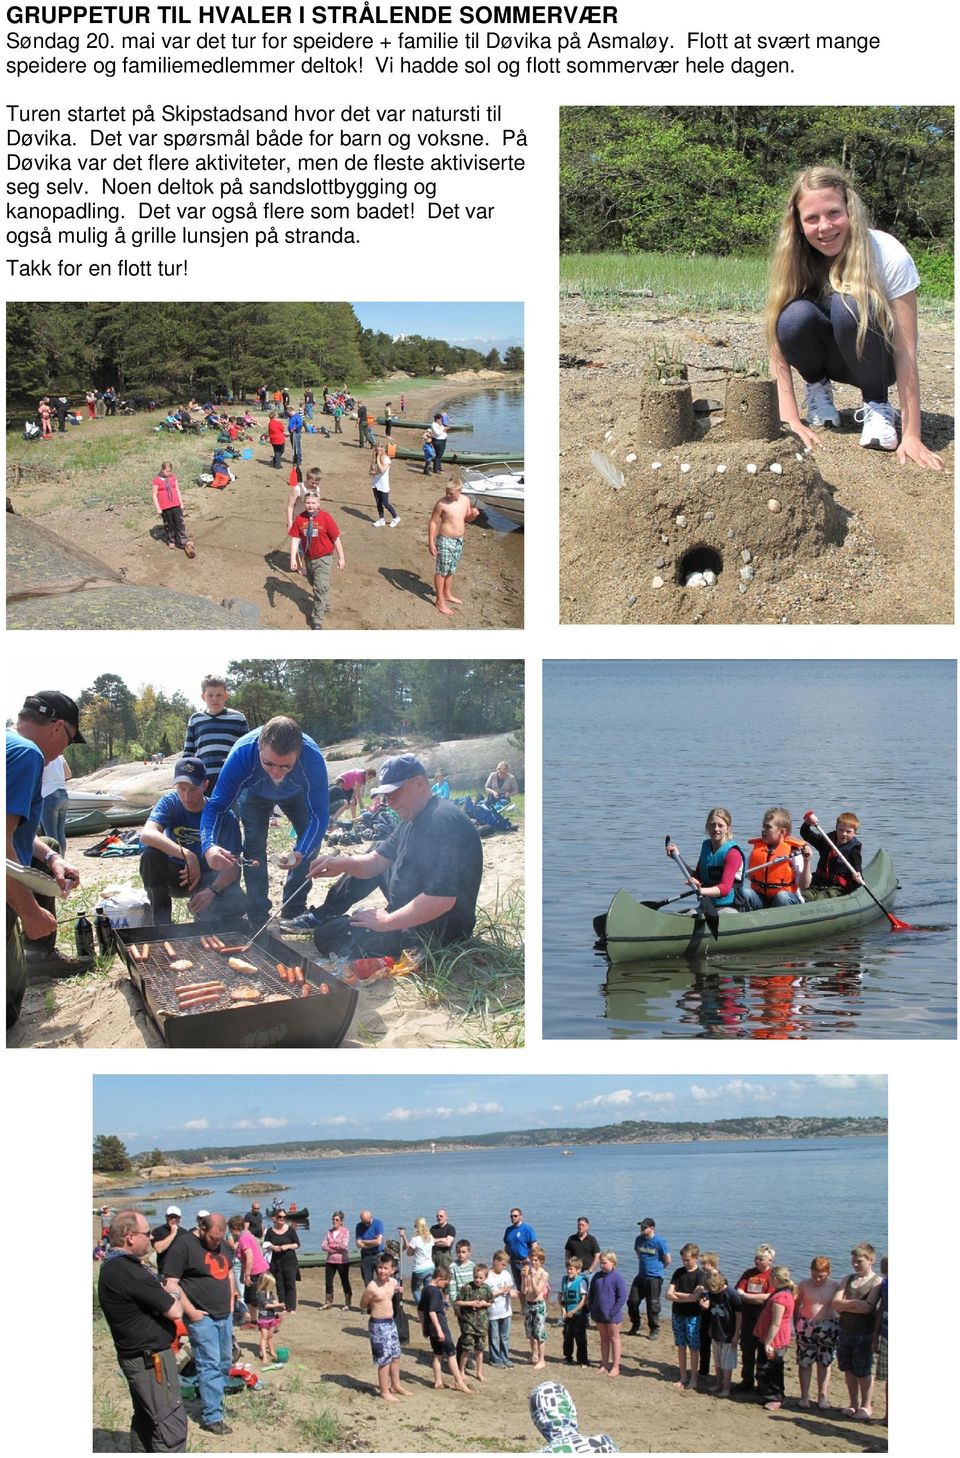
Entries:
{"x":465,"y":458}
{"x":95,"y":822}
{"x":634,"y":933}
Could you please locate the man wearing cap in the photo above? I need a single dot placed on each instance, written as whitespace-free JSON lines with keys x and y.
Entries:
{"x":47,"y":725}
{"x":429,"y":868}
{"x":199,"y":1272}
{"x":164,"y":1236}
{"x":141,"y":1316}
{"x":653,"y":1256}
{"x":275,"y":765}
{"x":172,"y":864}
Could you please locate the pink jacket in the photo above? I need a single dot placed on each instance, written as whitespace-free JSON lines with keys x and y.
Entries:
{"x":166,"y":493}
{"x":336,"y":1243}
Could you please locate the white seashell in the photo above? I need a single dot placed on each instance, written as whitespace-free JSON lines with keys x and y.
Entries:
{"x":685,"y":467}
{"x":631,"y":458}
{"x":664,"y":538}
{"x":773,"y":504}
{"x":657,"y":582}
{"x":777,"y":469}
{"x":709,"y":578}
{"x":608,"y":435}
{"x":681,"y":520}
{"x":696,"y":579}
{"x":720,"y":470}
{"x":752,"y":469}
{"x":799,"y":455}
{"x":656,"y":466}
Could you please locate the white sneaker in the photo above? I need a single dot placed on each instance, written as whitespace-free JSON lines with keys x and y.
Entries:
{"x":879,"y":426}
{"x":818,"y":407}
{"x":394,"y":521}
{"x":379,"y":522}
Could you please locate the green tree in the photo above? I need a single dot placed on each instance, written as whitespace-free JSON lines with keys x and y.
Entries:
{"x":492,"y":361}
{"x":109,"y":1154}
{"x":513,"y":358}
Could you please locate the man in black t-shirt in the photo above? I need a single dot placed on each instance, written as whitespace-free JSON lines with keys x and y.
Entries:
{"x":444,"y":1234}
{"x":583,"y":1245}
{"x":163,"y":1237}
{"x":141,"y":1316}
{"x":254,"y":1220}
{"x":199,"y":1270}
{"x":429,"y":869}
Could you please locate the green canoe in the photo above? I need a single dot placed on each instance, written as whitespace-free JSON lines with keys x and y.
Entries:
{"x":96,"y":822}
{"x":400,"y":422}
{"x":634,"y":933}
{"x":463,"y":458}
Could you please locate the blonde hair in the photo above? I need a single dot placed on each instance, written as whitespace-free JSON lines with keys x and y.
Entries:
{"x":798,"y":271}
{"x":781,"y":1279}
{"x":267,"y":1285}
{"x":723,"y":813}
{"x":767,"y":1251}
{"x":609,"y":1255}
{"x":716,"y":1280}
{"x":710,"y":1258}
{"x":421,"y":1227}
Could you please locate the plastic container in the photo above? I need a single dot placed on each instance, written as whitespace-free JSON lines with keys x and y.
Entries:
{"x":283,"y":1354}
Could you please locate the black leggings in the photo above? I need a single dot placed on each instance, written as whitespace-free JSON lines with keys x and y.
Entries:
{"x":382,"y":498}
{"x":819,"y":339}
{"x":330,"y":1272}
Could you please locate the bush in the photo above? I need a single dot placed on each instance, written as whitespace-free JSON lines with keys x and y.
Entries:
{"x":936,"y":272}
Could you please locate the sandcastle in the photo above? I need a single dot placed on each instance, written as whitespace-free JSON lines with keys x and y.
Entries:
{"x":719,"y":505}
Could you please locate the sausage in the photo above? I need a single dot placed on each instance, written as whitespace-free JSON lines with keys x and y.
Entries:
{"x":198,"y":1000}
{"x":306,"y":990}
{"x":168,"y":948}
{"x":133,"y":951}
{"x":283,"y":970}
{"x":216,"y":945}
{"x":145,"y":952}
{"x":205,"y":944}
{"x":298,"y":974}
{"x":240,"y":948}
{"x":197,"y":987}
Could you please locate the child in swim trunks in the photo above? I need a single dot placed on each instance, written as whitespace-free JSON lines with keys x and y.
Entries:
{"x":817,"y":1331}
{"x":377,"y":1300}
{"x":445,"y":539}
{"x":433,"y":1316}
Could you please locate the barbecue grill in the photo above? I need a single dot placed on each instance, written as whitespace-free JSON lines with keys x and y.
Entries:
{"x":287,"y":1016}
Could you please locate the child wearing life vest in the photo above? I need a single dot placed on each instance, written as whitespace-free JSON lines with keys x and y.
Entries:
{"x":719,"y":872}
{"x":831,"y":877}
{"x":169,"y":505}
{"x":778,"y":869}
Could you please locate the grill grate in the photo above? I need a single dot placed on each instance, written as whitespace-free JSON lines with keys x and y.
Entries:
{"x":163,"y":982}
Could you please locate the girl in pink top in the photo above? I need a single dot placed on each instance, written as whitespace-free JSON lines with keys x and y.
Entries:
{"x":336,"y":1243}
{"x":773,"y":1331}
{"x":169,"y":504}
{"x":354,"y":781}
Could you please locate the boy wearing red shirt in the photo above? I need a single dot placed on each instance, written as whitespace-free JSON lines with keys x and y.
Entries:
{"x":315,"y":537}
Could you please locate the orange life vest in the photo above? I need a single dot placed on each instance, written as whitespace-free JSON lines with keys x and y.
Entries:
{"x":767,"y":882}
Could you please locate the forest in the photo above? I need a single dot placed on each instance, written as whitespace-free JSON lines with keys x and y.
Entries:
{"x":169,"y":350}
{"x":713,"y":179}
{"x":331,"y":700}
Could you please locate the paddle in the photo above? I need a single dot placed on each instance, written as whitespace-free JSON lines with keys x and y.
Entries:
{"x":711,"y":914}
{"x":600,"y":922}
{"x":895,"y":923}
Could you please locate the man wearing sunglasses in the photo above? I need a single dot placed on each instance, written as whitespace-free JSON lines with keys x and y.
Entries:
{"x":47,"y":725}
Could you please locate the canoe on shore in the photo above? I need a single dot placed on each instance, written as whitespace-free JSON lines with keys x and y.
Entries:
{"x":463,"y":458}
{"x":97,"y":822}
{"x":634,"y":933}
{"x":400,"y":422}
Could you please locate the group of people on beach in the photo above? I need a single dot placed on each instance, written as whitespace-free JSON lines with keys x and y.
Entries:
{"x":314,"y":536}
{"x":224,"y":1274}
{"x":778,"y":869}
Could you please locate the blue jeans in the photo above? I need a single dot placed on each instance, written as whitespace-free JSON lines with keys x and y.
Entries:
{"x":499,"y":1336}
{"x":212,"y":1342}
{"x":255,"y":814}
{"x":296,"y":448}
{"x":753,"y":902}
{"x":418,"y":1280}
{"x":53,"y":817}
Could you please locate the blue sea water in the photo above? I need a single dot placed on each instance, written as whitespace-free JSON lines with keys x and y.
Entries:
{"x":805,"y":1197}
{"x":634,"y":751}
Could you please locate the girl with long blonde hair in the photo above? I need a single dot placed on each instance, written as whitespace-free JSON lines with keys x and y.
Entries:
{"x":842,"y":308}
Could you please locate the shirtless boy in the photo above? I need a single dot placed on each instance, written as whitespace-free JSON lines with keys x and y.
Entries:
{"x":817,"y":1330}
{"x":377,"y":1299}
{"x":445,"y":537}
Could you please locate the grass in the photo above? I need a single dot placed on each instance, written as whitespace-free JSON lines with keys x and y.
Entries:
{"x":319,"y":1431}
{"x":703,"y":283}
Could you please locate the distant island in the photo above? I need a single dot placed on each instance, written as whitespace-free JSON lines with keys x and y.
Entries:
{"x":627,"y":1131}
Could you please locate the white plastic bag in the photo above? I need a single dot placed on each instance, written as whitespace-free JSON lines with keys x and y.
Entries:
{"x":127,"y":906}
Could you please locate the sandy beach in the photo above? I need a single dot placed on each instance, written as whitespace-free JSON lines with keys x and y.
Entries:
{"x":330,"y":1372}
{"x":240,"y":532}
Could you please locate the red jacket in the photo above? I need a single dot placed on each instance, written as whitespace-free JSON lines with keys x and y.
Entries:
{"x":276,"y":433}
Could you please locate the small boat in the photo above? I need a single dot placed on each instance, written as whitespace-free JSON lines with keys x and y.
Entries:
{"x":463,"y":458}
{"x":500,"y":487}
{"x":79,"y":801}
{"x":635,"y":933}
{"x":96,"y":822}
{"x":296,"y":1216}
{"x":400,"y":422}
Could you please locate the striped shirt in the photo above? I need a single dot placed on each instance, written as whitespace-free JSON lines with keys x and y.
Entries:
{"x":211,"y":737}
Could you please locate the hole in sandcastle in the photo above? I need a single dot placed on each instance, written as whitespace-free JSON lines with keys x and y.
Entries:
{"x":699,"y":559}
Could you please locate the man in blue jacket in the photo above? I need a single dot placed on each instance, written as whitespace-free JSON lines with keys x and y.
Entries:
{"x":276,"y":765}
{"x":517,"y":1240}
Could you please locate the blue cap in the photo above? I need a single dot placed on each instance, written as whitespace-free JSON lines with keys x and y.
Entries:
{"x":191,"y":770}
{"x":396,"y":771}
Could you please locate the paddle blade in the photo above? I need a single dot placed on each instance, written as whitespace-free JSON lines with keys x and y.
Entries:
{"x":896,"y":925}
{"x":600,"y":927}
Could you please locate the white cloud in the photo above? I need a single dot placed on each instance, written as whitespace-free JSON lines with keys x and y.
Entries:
{"x":336,"y":1119}
{"x":623,"y":1097}
{"x":556,"y":1108}
{"x":469,"y":1109}
{"x":243,"y":1124}
{"x":397,"y":1116}
{"x":737,"y":1088}
{"x":268,"y":1122}
{"x":197,"y":1124}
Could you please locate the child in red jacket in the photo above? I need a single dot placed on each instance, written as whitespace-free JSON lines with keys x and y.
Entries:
{"x":315,"y":537}
{"x":169,"y":504}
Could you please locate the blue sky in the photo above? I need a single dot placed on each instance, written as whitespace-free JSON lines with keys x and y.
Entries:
{"x":193,"y":1111}
{"x":478,"y":326}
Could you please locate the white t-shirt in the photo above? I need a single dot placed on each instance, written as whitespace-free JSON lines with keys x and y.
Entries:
{"x":501,"y":1305}
{"x":381,"y":482}
{"x":437,"y":430}
{"x":423,"y":1246}
{"x":53,"y":776}
{"x":897,"y":269}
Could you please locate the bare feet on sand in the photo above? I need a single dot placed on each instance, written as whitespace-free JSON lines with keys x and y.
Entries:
{"x":457,"y":600}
